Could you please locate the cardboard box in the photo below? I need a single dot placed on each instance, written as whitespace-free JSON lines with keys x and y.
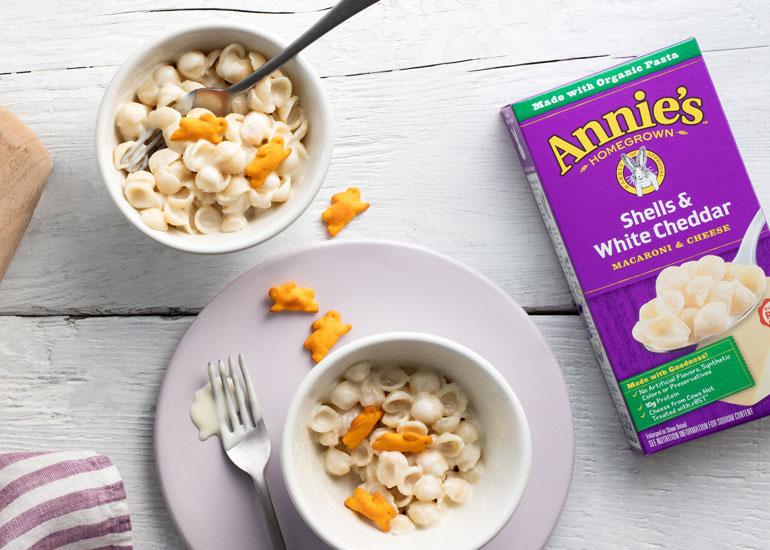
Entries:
{"x":662,"y":240}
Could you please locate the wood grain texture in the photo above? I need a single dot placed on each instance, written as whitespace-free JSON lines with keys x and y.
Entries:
{"x":92,"y":384}
{"x":415,"y":88}
{"x":417,"y":127}
{"x":61,"y":390}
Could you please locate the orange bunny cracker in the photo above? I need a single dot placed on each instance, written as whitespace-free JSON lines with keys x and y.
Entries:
{"x":267,"y":159}
{"x":326,"y":331}
{"x":345,"y":206}
{"x":290,"y":297}
{"x":406,"y":442}
{"x":372,"y":506}
{"x":208,"y":127}
{"x":361,"y":426}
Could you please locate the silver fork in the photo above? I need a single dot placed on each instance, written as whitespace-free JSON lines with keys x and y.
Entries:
{"x":243,"y":433}
{"x":218,"y":101}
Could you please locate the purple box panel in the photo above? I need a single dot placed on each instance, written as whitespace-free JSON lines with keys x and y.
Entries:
{"x":699,"y":159}
{"x":635,"y":170}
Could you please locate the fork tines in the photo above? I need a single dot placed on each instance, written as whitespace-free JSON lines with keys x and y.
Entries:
{"x":238,"y":412}
{"x":137,"y":157}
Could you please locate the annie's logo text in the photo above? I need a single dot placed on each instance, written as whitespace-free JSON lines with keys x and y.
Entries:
{"x":615,"y":124}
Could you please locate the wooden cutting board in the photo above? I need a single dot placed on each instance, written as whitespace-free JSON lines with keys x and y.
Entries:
{"x":24,"y":168}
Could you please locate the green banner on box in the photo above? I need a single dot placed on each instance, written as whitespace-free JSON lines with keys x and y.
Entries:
{"x":636,"y":69}
{"x":685,"y":384}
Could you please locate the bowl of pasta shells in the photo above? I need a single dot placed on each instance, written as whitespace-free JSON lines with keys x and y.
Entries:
{"x":216,"y":184}
{"x":405,"y":440}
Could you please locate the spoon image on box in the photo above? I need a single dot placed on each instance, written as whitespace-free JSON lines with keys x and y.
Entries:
{"x":218,"y":100}
{"x":747,"y":252}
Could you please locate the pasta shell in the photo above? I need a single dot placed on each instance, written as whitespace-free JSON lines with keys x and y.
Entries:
{"x":423,"y":514}
{"x":452,"y":399}
{"x":394,"y":420}
{"x":711,"y":319}
{"x":255,"y":128}
{"x":207,"y":220}
{"x":163,"y":117}
{"x":210,"y":179}
{"x":324,"y":419}
{"x":192,"y":65}
{"x":696,"y":291}
{"x":291,"y":113}
{"x":397,"y":401}
{"x":468,"y":457}
{"x":233,"y":224}
{"x":753,"y":278}
{"x":344,"y":395}
{"x":337,"y":462}
{"x":671,"y":278}
{"x":165,"y":74}
{"x":391,"y":468}
{"x":362,"y":454}
{"x":232,"y":65}
{"x":234,"y":124}
{"x":410,"y":478}
{"x":449,"y":445}
{"x":711,"y":266}
{"x":197,"y":155}
{"x":742,"y":298}
{"x":169,"y":93}
{"x":432,"y":462}
{"x":412,"y":426}
{"x":162,"y":158}
{"x":672,"y":301}
{"x":446,"y":424}
{"x":428,"y":488}
{"x":427,"y":408}
{"x":120,"y":150}
{"x":131,"y":119}
{"x":358,"y":372}
{"x":147,"y":92}
{"x":424,"y":382}
{"x":140,"y":190}
{"x":457,"y":489}
{"x":467,"y":431}
{"x":401,"y":525}
{"x":666,"y":332}
{"x":154,"y":219}
{"x":474,"y":474}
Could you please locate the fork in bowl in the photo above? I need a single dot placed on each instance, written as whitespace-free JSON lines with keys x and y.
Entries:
{"x":243,"y":433}
{"x":218,"y":101}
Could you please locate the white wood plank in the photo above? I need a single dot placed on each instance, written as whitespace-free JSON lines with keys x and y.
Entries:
{"x":427,"y":147}
{"x":708,"y":493}
{"x":395,"y":33}
{"x":60,"y":390}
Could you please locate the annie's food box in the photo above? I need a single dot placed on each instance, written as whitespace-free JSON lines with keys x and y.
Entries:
{"x":661,"y":238}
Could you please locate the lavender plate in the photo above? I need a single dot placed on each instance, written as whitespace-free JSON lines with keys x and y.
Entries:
{"x":378,"y":287}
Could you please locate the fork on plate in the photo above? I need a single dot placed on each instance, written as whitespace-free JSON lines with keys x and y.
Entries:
{"x":243,"y":433}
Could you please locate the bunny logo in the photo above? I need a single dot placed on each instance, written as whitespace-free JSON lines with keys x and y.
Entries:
{"x":641,"y":179}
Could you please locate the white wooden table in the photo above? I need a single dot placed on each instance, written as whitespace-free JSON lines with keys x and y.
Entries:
{"x":91,"y":309}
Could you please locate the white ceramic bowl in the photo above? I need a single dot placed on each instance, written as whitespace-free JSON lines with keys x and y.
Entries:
{"x":506,"y":448}
{"x":208,"y":37}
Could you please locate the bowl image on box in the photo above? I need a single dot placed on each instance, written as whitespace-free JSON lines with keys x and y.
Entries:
{"x":662,"y":240}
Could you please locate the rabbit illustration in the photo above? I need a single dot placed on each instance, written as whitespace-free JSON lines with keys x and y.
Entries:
{"x":641,"y":176}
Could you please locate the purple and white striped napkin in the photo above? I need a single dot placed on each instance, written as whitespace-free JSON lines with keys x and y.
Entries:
{"x":71,"y":500}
